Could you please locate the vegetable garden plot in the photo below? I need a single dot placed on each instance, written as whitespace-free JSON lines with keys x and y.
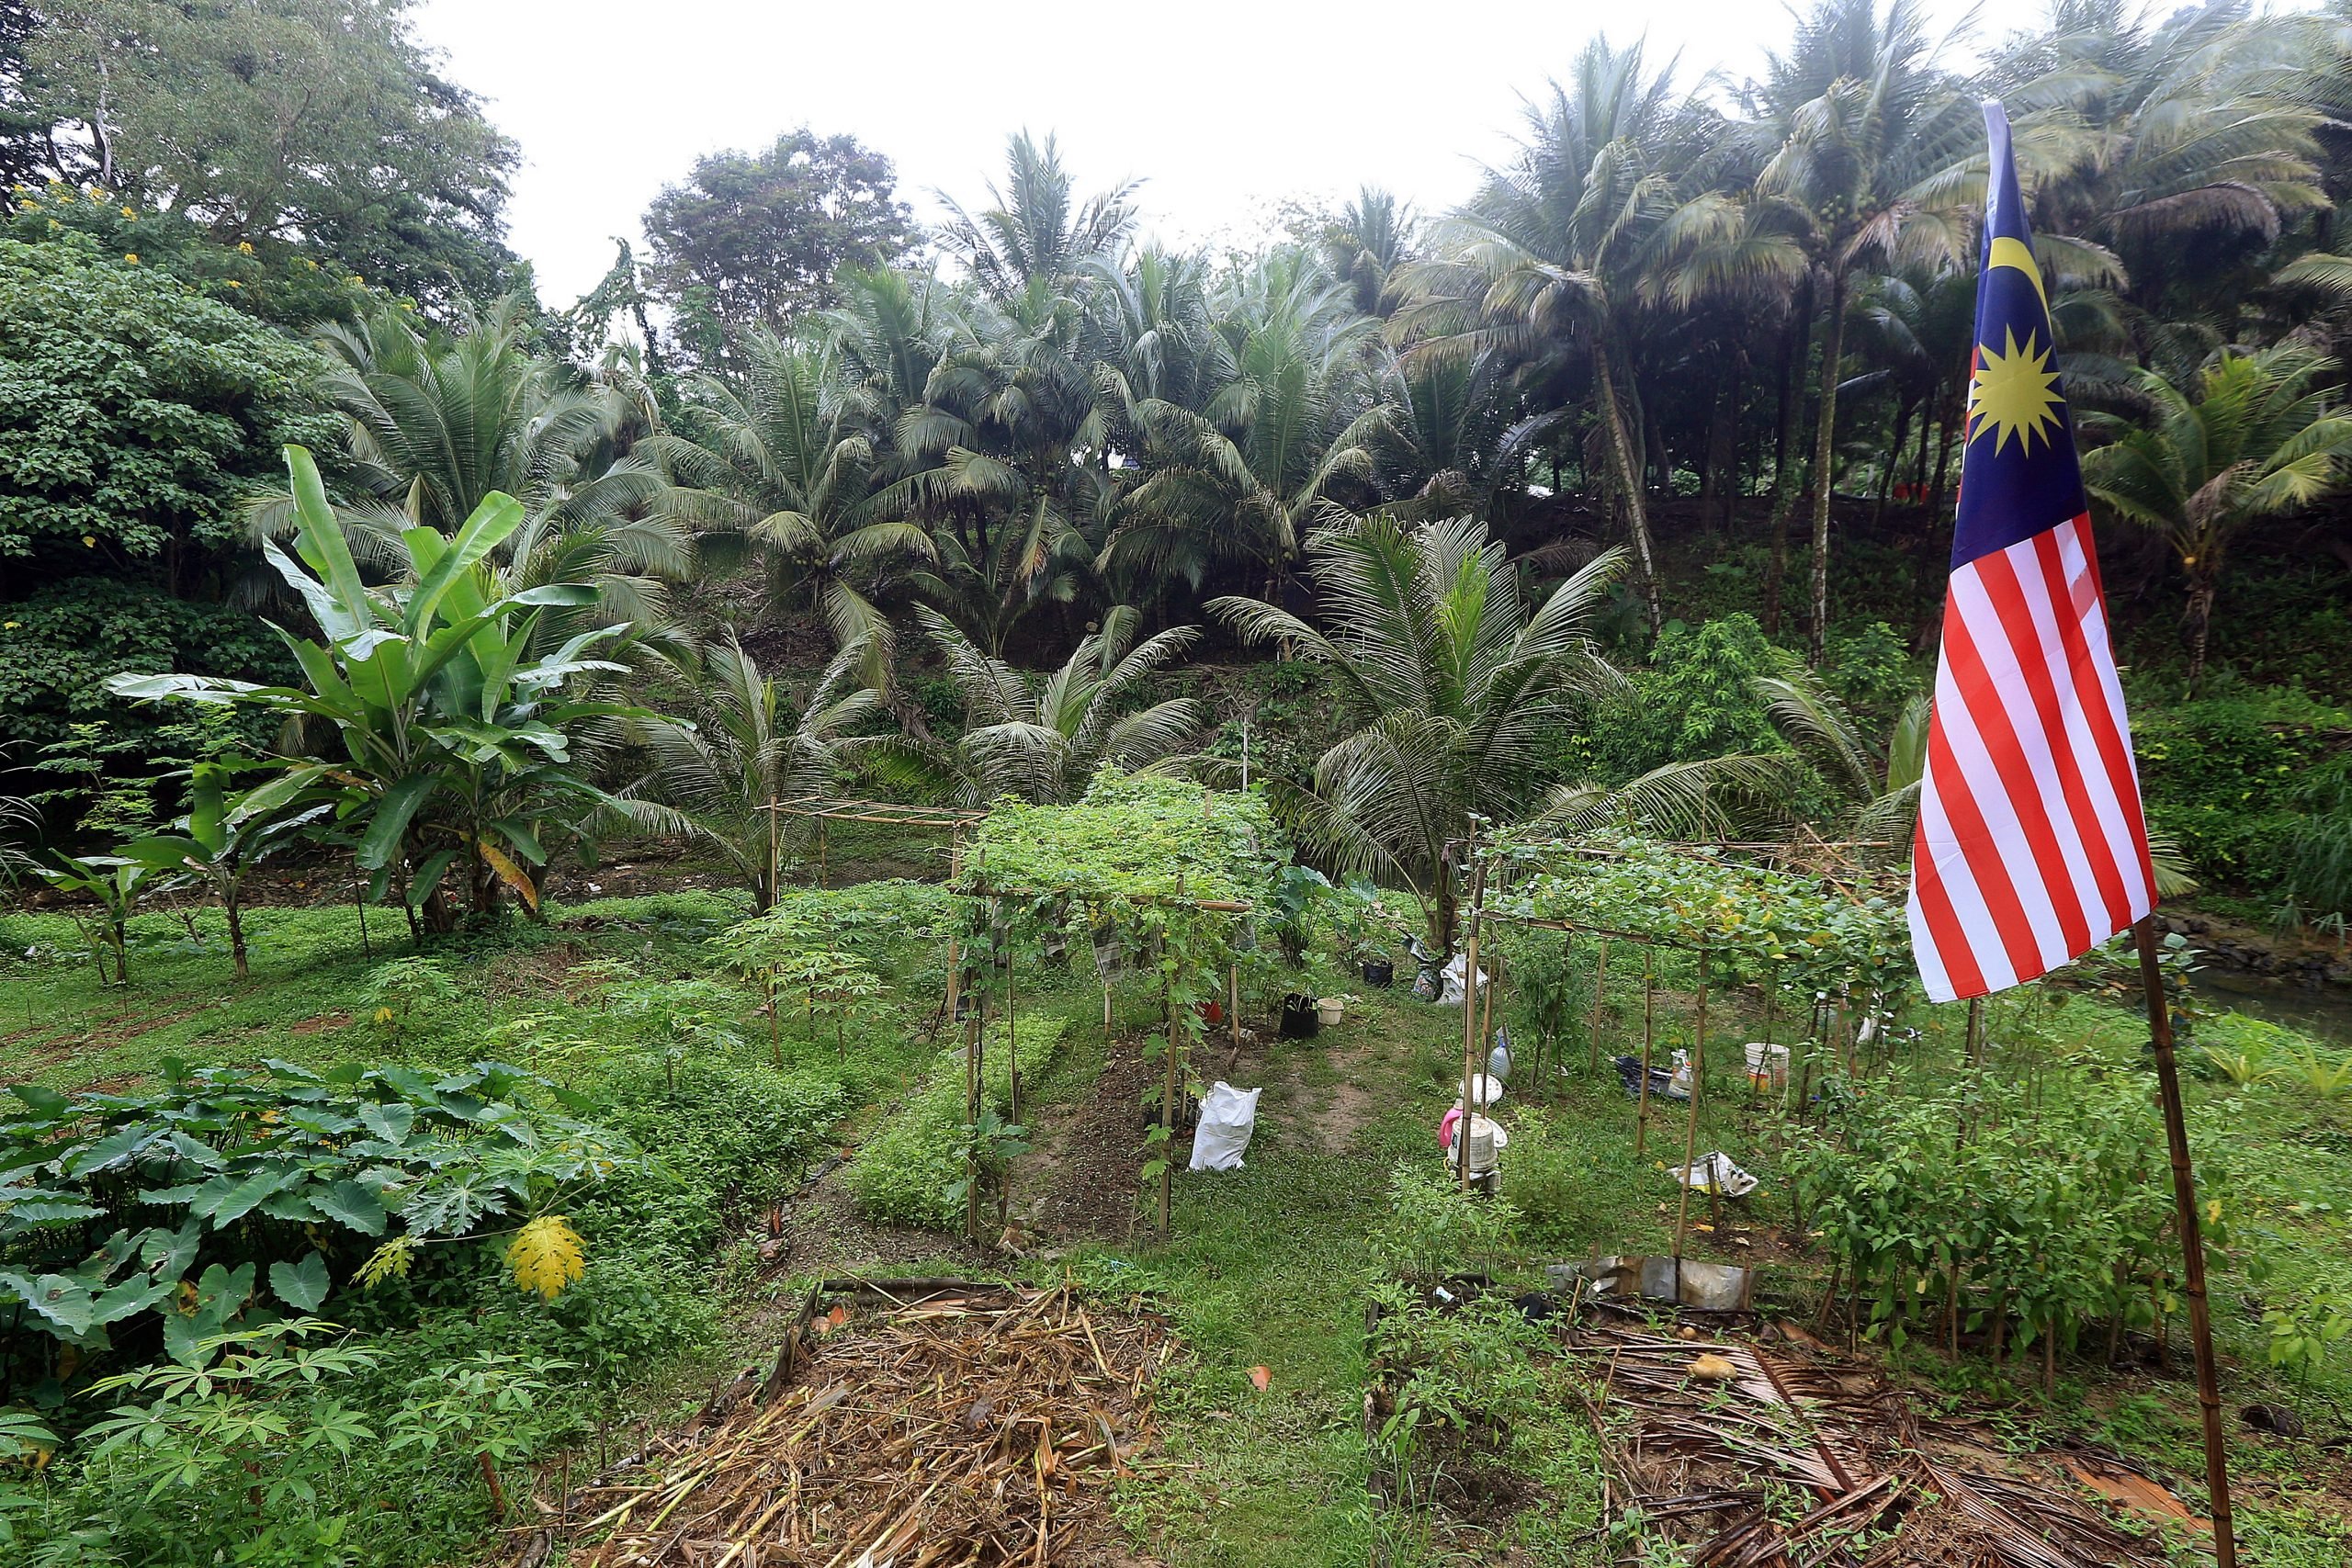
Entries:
{"x":976,"y":1427}
{"x":1745,"y":1456}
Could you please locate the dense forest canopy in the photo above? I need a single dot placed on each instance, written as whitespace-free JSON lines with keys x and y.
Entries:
{"x":1684,"y":378}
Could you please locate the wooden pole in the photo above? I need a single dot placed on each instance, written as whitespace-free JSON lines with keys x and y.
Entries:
{"x":1974,"y":1031}
{"x":954,"y":947}
{"x":1168,"y":1091}
{"x":1600,"y":983}
{"x":971,"y":1122}
{"x":1470,"y":1022}
{"x":821,"y":852}
{"x":1690,"y":1128}
{"x":1012,"y":1039}
{"x":1233,"y":1007}
{"x":1649,"y":1022}
{"x":2192,"y":1243}
{"x":359,"y":900}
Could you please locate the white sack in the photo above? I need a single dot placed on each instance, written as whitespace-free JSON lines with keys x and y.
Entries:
{"x":1228,"y":1115}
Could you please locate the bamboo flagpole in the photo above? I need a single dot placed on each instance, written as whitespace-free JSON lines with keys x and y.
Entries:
{"x":2192,"y":1241}
{"x":2031,"y":846}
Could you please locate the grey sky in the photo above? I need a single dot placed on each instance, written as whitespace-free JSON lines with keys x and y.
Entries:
{"x":1224,"y":108}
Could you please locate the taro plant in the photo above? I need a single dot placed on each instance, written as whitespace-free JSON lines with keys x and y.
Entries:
{"x":223,"y":1196}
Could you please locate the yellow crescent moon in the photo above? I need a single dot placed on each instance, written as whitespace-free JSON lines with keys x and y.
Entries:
{"x":2005,"y":251}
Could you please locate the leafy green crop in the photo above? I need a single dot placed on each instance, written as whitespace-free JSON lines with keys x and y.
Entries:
{"x":180,"y":1204}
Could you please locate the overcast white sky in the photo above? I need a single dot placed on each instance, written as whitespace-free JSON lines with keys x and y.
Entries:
{"x":1222,"y":107}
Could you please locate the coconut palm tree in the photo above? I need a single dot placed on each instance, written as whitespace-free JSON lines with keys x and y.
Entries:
{"x":1037,"y":234}
{"x":1869,"y":140}
{"x":1373,"y":236}
{"x":2255,"y":436}
{"x":1045,"y":741}
{"x":1879,"y":785}
{"x":719,"y":776}
{"x":1453,"y":688}
{"x":786,"y":465}
{"x":1291,"y":411}
{"x":1549,"y":265}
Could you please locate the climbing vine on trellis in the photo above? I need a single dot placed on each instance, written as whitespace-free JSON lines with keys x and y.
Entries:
{"x":1158,"y":876}
{"x":1807,"y":933}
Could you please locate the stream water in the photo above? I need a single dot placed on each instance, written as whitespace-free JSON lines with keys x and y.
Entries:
{"x":2321,"y":1011}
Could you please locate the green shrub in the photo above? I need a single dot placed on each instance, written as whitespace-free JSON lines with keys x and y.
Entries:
{"x":720,"y":1147}
{"x":908,"y":1172}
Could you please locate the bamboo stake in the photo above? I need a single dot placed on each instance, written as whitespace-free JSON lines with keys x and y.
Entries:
{"x":954,"y":953}
{"x":2192,"y":1245}
{"x":1470,"y":1023}
{"x":1168,"y":1091}
{"x":1600,"y":983}
{"x":1233,"y":1005}
{"x":1649,"y":1022}
{"x":1690,"y":1128}
{"x":1012,"y":1035}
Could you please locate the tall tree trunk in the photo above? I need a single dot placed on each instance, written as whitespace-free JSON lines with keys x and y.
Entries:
{"x":1944,"y":459}
{"x":1795,"y":338}
{"x":1833,"y":345}
{"x":1629,"y":476}
{"x":2203,"y":587}
{"x":234,"y":909}
{"x":1893,"y":461}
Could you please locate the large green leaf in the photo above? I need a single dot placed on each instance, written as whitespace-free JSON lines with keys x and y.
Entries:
{"x":352,"y":1205}
{"x":325,"y":547}
{"x":498,"y":516}
{"x":390,"y":822}
{"x":303,"y":1285}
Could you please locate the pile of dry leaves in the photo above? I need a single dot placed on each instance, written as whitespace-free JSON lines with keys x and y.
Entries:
{"x":945,"y":1425}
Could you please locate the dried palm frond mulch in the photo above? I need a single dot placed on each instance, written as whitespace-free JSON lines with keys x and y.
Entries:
{"x":975,"y":1428}
{"x":1754,"y":1457}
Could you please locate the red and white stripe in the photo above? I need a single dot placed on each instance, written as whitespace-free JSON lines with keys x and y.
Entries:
{"x":2031,"y":847}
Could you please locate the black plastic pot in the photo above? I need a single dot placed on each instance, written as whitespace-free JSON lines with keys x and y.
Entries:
{"x":1379,"y":971}
{"x":1299,"y":1020}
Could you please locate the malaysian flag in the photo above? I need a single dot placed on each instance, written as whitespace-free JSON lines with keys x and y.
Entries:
{"x":2031,"y":847}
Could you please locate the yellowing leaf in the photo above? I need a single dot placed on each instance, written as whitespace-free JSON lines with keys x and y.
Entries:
{"x":513,"y":875}
{"x":545,"y":1255}
{"x":390,"y":1261}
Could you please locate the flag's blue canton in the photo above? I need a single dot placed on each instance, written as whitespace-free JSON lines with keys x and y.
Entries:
{"x":2016,"y":481}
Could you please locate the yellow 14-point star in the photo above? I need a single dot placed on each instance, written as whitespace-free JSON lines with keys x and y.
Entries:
{"x":2014,"y":392}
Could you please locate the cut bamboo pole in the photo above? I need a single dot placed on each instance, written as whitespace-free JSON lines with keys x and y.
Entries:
{"x":1649,"y":1026}
{"x":2192,"y":1243}
{"x":1691,"y":1125}
{"x":1470,"y":1023}
{"x":1599,"y":987}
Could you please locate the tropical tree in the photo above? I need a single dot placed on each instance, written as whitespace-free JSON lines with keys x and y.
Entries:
{"x":1454,"y":690}
{"x":1878,"y":784}
{"x":2255,"y":436}
{"x":1867,"y":140}
{"x":1035,"y":232}
{"x":440,"y":421}
{"x":458,"y":740}
{"x":1550,"y":263}
{"x":1044,"y":740}
{"x":721,"y":775}
{"x":1290,"y":413}
{"x":1373,"y":236}
{"x":786,"y":465}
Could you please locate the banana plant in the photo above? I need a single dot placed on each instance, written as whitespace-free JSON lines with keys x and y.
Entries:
{"x":458,"y":750}
{"x":116,"y":883}
{"x":224,"y":836}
